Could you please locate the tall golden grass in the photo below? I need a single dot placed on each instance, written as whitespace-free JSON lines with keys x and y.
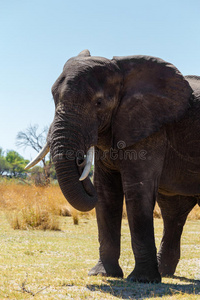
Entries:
{"x":33,"y":207}
{"x":29,"y":206}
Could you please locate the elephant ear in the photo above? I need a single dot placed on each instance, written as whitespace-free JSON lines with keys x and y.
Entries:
{"x":154,"y":93}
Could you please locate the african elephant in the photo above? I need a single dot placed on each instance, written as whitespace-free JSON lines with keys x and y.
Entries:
{"x":143,"y":118}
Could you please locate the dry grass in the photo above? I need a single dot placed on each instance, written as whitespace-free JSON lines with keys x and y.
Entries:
{"x":29,"y":206}
{"x":33,"y":218}
{"x":33,"y":207}
{"x":54,"y":264}
{"x":15,"y":196}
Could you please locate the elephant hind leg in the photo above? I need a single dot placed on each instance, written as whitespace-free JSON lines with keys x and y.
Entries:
{"x":174,"y":210}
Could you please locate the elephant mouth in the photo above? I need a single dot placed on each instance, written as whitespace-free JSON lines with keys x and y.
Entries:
{"x":81,"y":163}
{"x":86,"y":183}
{"x":85,"y":162}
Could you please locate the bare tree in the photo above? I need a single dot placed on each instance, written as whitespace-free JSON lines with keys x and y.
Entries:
{"x":36,"y":140}
{"x":32,"y":138}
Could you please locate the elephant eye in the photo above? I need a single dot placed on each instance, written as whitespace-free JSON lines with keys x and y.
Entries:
{"x":99,"y":101}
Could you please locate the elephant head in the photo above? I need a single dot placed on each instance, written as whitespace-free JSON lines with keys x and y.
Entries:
{"x":129,"y":97}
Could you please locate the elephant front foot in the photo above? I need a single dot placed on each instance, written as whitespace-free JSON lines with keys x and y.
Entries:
{"x":106,"y":269}
{"x":167,"y":269}
{"x":167,"y":264}
{"x":144,"y":277}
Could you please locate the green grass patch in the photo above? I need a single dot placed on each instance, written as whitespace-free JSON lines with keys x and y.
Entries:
{"x":55,"y":264}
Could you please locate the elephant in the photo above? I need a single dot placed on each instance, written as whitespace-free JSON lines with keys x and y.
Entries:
{"x":141,"y":117}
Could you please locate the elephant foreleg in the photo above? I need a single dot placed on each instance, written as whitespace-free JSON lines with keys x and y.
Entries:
{"x":109,"y":215}
{"x":174,"y":211}
{"x":140,"y":204}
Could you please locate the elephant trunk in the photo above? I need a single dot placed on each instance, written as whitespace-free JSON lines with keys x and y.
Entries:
{"x":80,"y":194}
{"x":66,"y":156}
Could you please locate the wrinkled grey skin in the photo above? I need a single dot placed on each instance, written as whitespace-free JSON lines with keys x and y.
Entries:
{"x":143,"y":117}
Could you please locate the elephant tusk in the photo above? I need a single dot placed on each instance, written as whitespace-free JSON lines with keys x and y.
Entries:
{"x":39,"y":157}
{"x":89,"y":159}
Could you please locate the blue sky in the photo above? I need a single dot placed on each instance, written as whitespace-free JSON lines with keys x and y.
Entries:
{"x":38,"y":36}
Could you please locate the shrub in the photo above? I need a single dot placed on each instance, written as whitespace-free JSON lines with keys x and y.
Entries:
{"x":33,"y":218}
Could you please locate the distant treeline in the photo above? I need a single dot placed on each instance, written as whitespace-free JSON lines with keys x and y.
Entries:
{"x":12,"y":164}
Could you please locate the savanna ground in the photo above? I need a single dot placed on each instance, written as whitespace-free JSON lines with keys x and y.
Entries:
{"x":53,"y":263}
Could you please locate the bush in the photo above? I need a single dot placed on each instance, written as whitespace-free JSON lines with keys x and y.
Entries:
{"x":33,"y":218}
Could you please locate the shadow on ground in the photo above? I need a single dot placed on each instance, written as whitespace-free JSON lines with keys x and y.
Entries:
{"x":128,"y":290}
